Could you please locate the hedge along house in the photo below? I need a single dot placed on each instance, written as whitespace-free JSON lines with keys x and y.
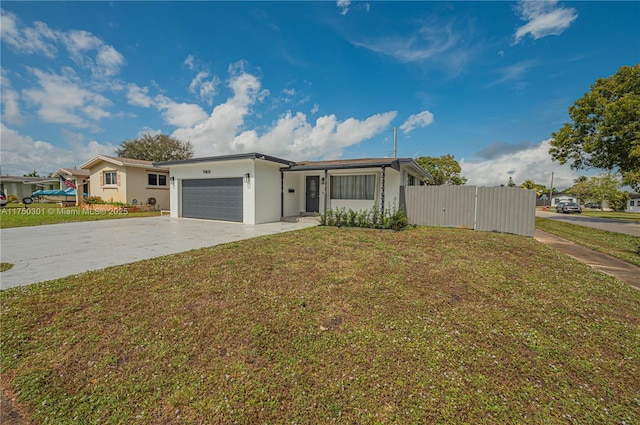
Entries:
{"x":130,"y":181}
{"x":254,"y":188}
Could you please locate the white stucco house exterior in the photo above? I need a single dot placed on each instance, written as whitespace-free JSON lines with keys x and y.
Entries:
{"x":254,"y":188}
{"x":633,"y":204}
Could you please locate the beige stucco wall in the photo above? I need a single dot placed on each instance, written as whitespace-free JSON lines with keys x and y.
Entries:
{"x":132,"y":184}
{"x":138,"y":188}
{"x":115,"y":193}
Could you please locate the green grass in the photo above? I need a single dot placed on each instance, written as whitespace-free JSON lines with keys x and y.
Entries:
{"x":5,"y":266}
{"x":613,"y":215}
{"x":328,"y":325}
{"x":39,"y":214}
{"x":624,"y":247}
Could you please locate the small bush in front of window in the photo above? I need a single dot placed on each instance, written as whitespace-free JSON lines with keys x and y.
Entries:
{"x":393,"y":218}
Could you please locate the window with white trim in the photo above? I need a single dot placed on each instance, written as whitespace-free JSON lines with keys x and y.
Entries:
{"x":360,"y":187}
{"x":110,"y":178}
{"x":156,"y":179}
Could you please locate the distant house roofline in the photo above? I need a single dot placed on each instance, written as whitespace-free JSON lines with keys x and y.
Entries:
{"x":120,"y":161}
{"x":253,"y":155}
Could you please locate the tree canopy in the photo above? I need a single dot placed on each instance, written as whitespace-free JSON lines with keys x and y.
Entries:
{"x":605,"y":128}
{"x":445,"y":169}
{"x":159,"y":147}
{"x":600,"y":188}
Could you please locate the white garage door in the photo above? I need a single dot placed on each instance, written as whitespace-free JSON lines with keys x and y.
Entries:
{"x":214,"y":199}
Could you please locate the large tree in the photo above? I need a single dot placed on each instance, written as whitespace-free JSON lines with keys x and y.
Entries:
{"x":159,"y":147}
{"x":445,"y":169}
{"x":605,"y":128}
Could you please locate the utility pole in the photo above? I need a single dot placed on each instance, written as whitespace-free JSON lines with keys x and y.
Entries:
{"x":551,"y":191}
{"x":395,"y":142}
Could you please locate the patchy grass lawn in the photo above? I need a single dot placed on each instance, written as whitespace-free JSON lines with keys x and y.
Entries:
{"x":624,"y":247}
{"x":613,"y":215}
{"x":5,"y":266}
{"x":325,"y":325}
{"x":39,"y":214}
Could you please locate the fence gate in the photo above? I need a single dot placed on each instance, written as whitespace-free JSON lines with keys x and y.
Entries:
{"x":501,"y":209}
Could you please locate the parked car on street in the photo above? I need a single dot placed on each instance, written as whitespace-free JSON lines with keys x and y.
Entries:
{"x":3,"y":199}
{"x":568,"y":208}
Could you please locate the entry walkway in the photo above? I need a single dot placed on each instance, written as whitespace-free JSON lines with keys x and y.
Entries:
{"x":624,"y":271}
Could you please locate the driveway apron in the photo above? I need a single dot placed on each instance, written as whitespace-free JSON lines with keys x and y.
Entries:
{"x":53,"y":251}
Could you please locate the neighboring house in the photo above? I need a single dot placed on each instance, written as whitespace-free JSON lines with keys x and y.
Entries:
{"x":633,"y":204}
{"x":75,"y":176}
{"x":131,"y":181}
{"x":563,"y":197}
{"x":22,"y":187}
{"x":254,"y":188}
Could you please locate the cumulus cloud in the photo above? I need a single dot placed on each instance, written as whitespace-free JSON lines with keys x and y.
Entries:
{"x":62,"y":99}
{"x":10,"y":101}
{"x":38,"y":39}
{"x":84,"y":48}
{"x":543,"y":18}
{"x":520,"y":164}
{"x":419,"y":120}
{"x":291,"y":136}
{"x":204,"y":87}
{"x":173,"y":113}
{"x":344,"y":6}
{"x":22,"y":154}
{"x":90,"y":52}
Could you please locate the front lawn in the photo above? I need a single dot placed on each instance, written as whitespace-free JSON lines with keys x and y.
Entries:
{"x":16,"y":215}
{"x":323,"y":325}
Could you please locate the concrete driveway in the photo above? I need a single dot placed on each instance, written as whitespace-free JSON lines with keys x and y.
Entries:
{"x":49,"y":252}
{"x":627,"y":227}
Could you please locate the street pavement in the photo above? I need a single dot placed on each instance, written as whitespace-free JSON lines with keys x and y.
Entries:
{"x":627,"y":227}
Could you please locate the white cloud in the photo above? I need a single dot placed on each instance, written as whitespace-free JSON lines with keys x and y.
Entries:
{"x":27,"y":40}
{"x":10,"y":105}
{"x":138,"y":96}
{"x":22,"y":154}
{"x":291,"y":136}
{"x":203,"y":87}
{"x":528,"y":164}
{"x":82,"y":44}
{"x":62,"y":99}
{"x":179,"y":114}
{"x":173,"y":113}
{"x":85,"y":49}
{"x":543,"y":18}
{"x":419,"y":120}
{"x":344,"y":6}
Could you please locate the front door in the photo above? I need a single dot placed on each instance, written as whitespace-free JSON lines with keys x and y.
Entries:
{"x":313,"y":194}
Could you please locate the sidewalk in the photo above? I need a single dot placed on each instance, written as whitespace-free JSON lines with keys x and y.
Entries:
{"x":624,"y":271}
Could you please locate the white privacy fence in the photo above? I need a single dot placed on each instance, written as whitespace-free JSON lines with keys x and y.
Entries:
{"x":500,"y":209}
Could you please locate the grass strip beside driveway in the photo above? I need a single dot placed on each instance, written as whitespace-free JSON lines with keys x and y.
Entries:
{"x":429,"y":325}
{"x":39,"y":214}
{"x":618,"y":245}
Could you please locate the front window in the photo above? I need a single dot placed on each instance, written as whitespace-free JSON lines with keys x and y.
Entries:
{"x":157,"y":179}
{"x":412,"y":180}
{"x":353,"y":187}
{"x":110,"y":177}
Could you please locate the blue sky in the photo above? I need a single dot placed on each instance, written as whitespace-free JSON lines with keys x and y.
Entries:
{"x":487,"y":82}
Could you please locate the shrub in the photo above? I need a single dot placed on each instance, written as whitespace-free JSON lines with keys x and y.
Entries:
{"x":394,"y":219}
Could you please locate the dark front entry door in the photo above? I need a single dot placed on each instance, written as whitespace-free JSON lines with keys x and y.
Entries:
{"x":313,"y":194}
